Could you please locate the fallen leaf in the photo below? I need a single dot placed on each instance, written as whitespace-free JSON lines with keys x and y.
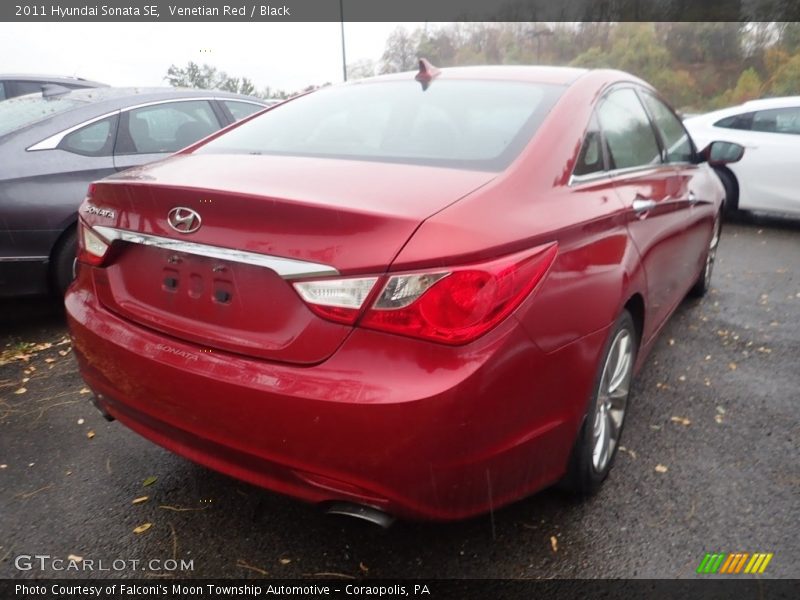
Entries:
{"x":243,"y":564}
{"x":661,"y":469}
{"x":21,"y":390}
{"x":90,"y":434}
{"x":554,"y":543}
{"x":285,"y":561}
{"x":140,"y":500}
{"x":149,"y":481}
{"x":80,"y":421}
{"x":720,"y":410}
{"x":75,"y":558}
{"x":718,"y":418}
{"x":681,"y":421}
{"x":63,"y":352}
{"x":364,"y":568}
{"x":732,"y":366}
{"x":49,"y":360}
{"x":3,"y":466}
{"x":708,"y":357}
{"x":26,"y":379}
{"x":68,"y":473}
{"x":142,"y":528}
{"x":671,"y":342}
{"x":85,"y":391}
{"x":628,"y":451}
{"x":682,"y":378}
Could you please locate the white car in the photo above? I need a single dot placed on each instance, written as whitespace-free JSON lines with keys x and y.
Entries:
{"x":768,"y":176}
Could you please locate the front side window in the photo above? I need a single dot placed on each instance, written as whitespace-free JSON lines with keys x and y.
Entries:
{"x":465,"y":124}
{"x":629,"y":135}
{"x":96,"y":139}
{"x":167,"y":127}
{"x":778,"y":120}
{"x":677,"y":143}
{"x":2,"y":91}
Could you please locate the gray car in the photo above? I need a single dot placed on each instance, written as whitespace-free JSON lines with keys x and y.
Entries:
{"x":53,"y":146}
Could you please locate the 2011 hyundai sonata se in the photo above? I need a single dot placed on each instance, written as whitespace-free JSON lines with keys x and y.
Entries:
{"x":420,"y":295}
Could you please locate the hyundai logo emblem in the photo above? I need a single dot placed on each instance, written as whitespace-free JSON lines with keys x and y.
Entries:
{"x":184,"y":220}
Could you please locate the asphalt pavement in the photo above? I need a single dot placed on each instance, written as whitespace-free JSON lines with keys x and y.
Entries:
{"x":710,"y":463}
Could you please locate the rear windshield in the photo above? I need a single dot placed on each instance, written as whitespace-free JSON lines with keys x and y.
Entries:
{"x":27,"y":110}
{"x":479,"y":125}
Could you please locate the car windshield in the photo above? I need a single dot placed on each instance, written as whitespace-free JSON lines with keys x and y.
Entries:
{"x":479,"y":125}
{"x":26,"y":110}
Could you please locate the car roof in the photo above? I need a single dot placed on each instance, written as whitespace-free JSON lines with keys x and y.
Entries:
{"x":532,"y":74}
{"x":771,"y":103}
{"x":51,"y":79}
{"x":121,"y":96}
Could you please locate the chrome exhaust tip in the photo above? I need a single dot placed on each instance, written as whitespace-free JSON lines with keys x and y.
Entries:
{"x":361,"y":512}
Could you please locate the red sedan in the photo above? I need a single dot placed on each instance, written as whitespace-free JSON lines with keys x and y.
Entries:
{"x":421,"y":295}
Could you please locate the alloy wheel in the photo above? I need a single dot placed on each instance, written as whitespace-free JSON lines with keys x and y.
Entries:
{"x":612,"y":399}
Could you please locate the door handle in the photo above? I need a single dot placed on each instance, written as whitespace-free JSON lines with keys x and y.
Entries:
{"x":693,"y":197}
{"x":642,"y":206}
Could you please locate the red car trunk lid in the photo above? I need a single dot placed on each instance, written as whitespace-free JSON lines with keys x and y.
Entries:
{"x":271,"y":207}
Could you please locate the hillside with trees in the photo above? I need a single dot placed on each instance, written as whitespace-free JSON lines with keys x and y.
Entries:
{"x":697,"y":66}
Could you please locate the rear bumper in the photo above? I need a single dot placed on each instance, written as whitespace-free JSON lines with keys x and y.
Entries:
{"x":416,"y":429}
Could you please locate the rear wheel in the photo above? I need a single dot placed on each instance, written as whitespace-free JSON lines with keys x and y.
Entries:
{"x":598,"y":440}
{"x":63,"y":262}
{"x":703,"y":283}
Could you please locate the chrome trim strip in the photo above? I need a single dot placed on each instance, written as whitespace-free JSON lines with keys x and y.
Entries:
{"x":288,"y":268}
{"x":23,"y":258}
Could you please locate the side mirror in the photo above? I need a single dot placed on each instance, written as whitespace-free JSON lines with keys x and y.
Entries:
{"x":722,"y":153}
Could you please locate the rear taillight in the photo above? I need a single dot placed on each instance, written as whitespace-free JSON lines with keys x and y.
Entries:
{"x":92,"y":247}
{"x":453,"y":306}
{"x":339,"y":300}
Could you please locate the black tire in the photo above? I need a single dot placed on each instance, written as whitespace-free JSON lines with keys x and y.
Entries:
{"x":731,"y":204}
{"x":703,"y":283}
{"x":584,"y":477}
{"x":63,"y":261}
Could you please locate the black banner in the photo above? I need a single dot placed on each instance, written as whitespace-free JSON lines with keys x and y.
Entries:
{"x":435,"y":589}
{"x":399,"y":10}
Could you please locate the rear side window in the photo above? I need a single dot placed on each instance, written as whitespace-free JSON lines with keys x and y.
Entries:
{"x":464,"y":124}
{"x":167,"y":127}
{"x":590,"y":159}
{"x":630,"y":137}
{"x":743,"y":121}
{"x":677,"y":144}
{"x":240,"y":110}
{"x":96,"y":139}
